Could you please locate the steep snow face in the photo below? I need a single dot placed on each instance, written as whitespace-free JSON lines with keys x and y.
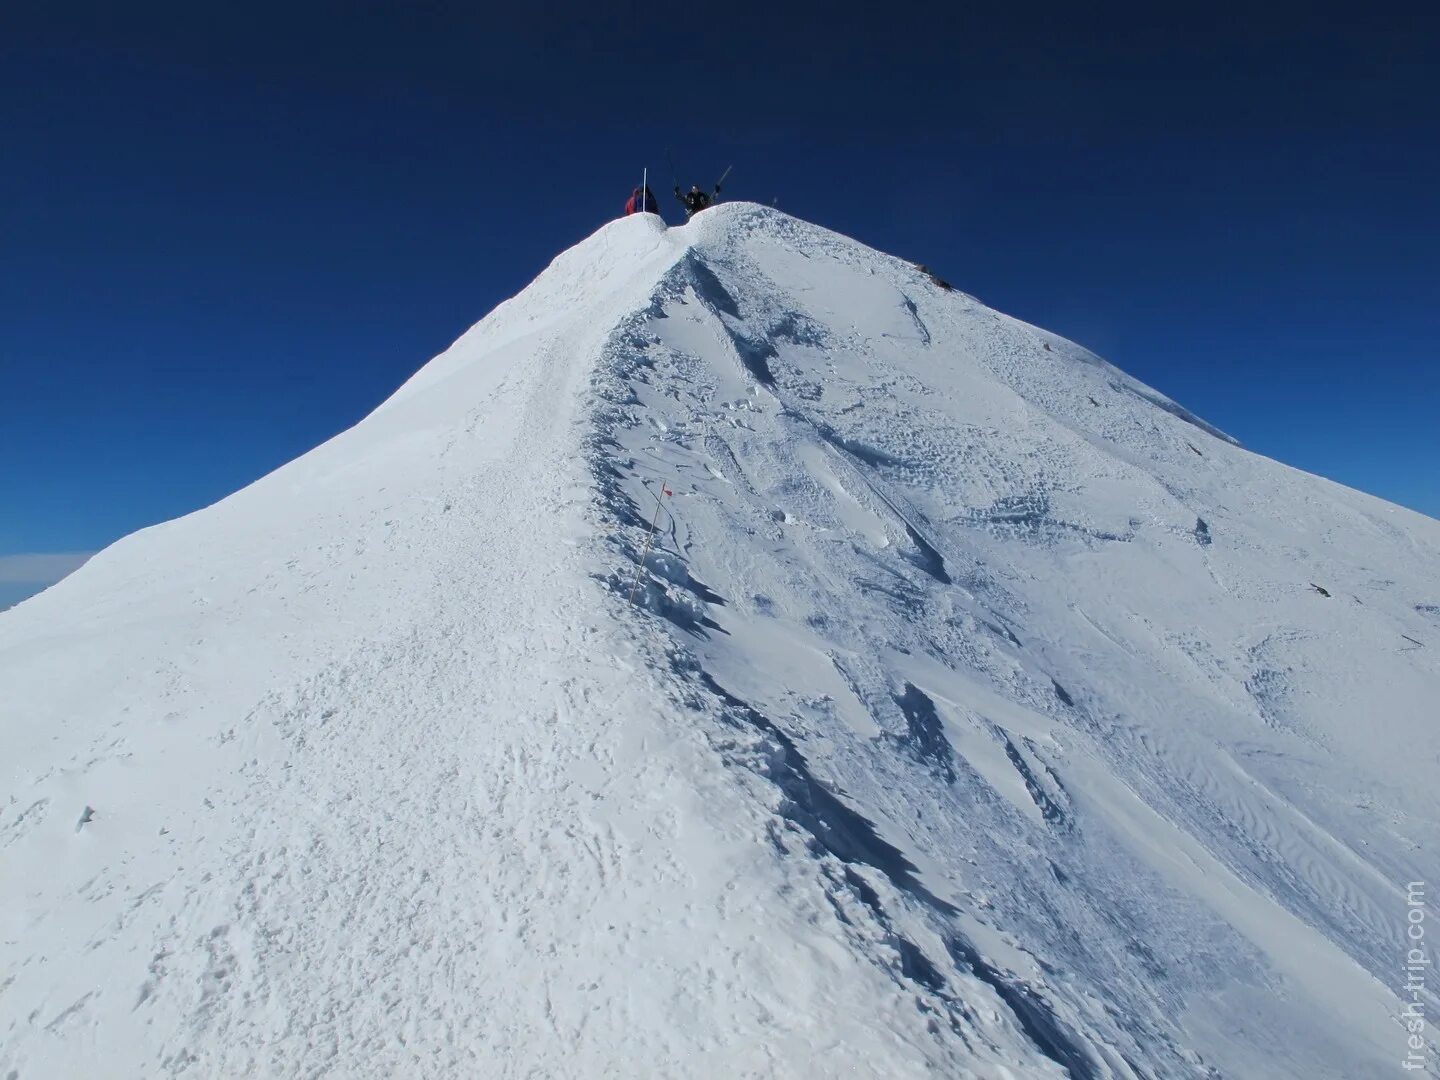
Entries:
{"x":1149,"y":718}
{"x":981,"y":712}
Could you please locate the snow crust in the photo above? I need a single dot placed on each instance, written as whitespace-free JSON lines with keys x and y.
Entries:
{"x":982,"y":713}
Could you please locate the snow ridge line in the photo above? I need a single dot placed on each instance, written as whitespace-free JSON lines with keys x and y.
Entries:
{"x":849,"y":857}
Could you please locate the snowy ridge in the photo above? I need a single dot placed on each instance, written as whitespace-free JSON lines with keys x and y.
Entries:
{"x":983,"y":713}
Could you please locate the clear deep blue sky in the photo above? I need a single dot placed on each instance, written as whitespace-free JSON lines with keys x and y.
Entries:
{"x":229,"y":230}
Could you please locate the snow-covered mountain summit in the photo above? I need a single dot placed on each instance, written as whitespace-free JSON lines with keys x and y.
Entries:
{"x":981,"y":712}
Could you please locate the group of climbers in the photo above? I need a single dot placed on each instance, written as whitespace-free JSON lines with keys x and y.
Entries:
{"x":642,"y":199}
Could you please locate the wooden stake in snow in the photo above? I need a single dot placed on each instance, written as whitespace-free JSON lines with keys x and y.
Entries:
{"x":640,"y":567}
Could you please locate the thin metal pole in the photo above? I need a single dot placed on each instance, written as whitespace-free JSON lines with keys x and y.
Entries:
{"x":646,"y":553}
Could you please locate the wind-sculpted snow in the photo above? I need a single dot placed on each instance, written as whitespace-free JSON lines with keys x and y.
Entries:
{"x":981,"y":712}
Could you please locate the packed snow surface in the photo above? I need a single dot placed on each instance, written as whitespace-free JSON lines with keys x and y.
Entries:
{"x":980,"y":712}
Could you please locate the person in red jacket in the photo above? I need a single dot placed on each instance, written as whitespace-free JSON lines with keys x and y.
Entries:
{"x":641,"y":201}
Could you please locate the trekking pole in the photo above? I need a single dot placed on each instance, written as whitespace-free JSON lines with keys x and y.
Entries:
{"x":646,"y":552}
{"x":644,"y":187}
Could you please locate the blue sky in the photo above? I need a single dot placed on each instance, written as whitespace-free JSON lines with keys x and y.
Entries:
{"x":231,"y":230}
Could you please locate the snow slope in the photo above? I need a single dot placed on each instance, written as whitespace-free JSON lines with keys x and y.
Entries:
{"x":980,"y":714}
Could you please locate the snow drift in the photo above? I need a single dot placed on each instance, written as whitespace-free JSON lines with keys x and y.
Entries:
{"x":981,"y":712}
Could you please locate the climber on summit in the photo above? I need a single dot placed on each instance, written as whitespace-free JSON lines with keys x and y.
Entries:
{"x":695,"y":200}
{"x":641,"y":201}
